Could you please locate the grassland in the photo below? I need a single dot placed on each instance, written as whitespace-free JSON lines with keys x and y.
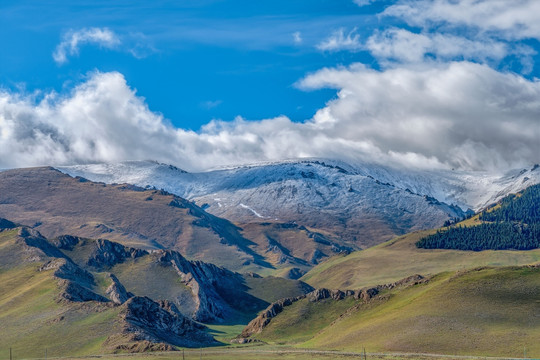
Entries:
{"x":483,"y":312}
{"x":274,"y":353}
{"x":399,"y":258}
{"x":32,"y":321}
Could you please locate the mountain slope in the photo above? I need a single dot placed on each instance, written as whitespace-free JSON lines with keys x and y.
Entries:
{"x":78,"y":296}
{"x":484,"y":311}
{"x":57,"y":204}
{"x":49,"y":302}
{"x":362,"y":204}
{"x":514,"y":223}
{"x":400,"y":257}
{"x":438,"y":250}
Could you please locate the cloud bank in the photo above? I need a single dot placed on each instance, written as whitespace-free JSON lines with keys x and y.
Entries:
{"x":459,"y":114}
{"x":437,"y":101}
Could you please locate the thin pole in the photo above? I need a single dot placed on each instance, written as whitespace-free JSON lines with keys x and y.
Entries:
{"x":10,"y":358}
{"x":201,"y":354}
{"x":183,"y":356}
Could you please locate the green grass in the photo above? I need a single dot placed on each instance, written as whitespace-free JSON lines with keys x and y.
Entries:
{"x":483,"y":312}
{"x":303,"y":320}
{"x":399,"y":258}
{"x":269,"y":353}
{"x":31,"y":318}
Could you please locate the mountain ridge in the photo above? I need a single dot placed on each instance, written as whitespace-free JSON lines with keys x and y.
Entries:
{"x":362,"y":204}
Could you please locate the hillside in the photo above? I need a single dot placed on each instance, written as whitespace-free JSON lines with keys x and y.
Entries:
{"x":400,"y":257}
{"x":56,"y":204}
{"x":514,"y":223}
{"x":425,"y":252}
{"x":360,"y":204}
{"x":85,"y":296}
{"x":68,"y":316}
{"x":356,"y":207}
{"x":483,"y":311}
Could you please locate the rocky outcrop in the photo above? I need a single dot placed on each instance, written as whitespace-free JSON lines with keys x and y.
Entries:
{"x":207,"y":283}
{"x":117,"y":292}
{"x":366,"y":294}
{"x":260,"y":322}
{"x":33,"y":239}
{"x":145,"y":320}
{"x":66,"y":242}
{"x":321,"y":294}
{"x":75,"y":292}
{"x":108,"y":253}
{"x":67,"y":270}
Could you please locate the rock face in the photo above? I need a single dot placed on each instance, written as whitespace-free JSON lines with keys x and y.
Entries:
{"x":75,"y":283}
{"x":117,"y":292}
{"x":67,"y":270}
{"x":260,"y":322}
{"x":75,"y":292}
{"x":33,"y":239}
{"x":211,"y":286}
{"x":146,"y":320}
{"x":263,"y":319}
{"x":108,"y":253}
{"x":65,"y":242}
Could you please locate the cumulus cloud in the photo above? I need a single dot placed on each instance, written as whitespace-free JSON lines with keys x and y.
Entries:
{"x":462,"y":114}
{"x":72,"y":41}
{"x":457,"y":115}
{"x":516,"y":19}
{"x":339,"y":40}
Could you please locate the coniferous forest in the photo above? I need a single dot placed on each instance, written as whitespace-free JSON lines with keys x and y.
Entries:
{"x":514,"y":224}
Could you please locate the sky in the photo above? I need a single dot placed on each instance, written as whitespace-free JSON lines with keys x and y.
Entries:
{"x":435,"y":84}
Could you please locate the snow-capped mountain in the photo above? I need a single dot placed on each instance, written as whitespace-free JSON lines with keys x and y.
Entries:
{"x":361,"y":204}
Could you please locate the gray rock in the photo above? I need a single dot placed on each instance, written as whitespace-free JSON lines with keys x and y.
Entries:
{"x":117,"y":292}
{"x":108,"y":253}
{"x":146,"y":320}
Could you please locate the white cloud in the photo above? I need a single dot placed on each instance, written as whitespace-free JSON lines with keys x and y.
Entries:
{"x":72,"y":40}
{"x":517,"y":19}
{"x":405,"y":46}
{"x":460,"y":115}
{"x":339,"y":41}
{"x":297,"y":37}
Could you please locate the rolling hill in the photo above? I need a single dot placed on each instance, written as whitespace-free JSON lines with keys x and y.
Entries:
{"x":74,"y":296}
{"x":482,"y":311}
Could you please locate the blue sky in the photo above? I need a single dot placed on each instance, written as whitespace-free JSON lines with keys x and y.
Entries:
{"x":194,"y":60}
{"x":437,"y":84}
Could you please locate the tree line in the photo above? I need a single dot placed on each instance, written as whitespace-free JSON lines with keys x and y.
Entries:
{"x":515,"y":224}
